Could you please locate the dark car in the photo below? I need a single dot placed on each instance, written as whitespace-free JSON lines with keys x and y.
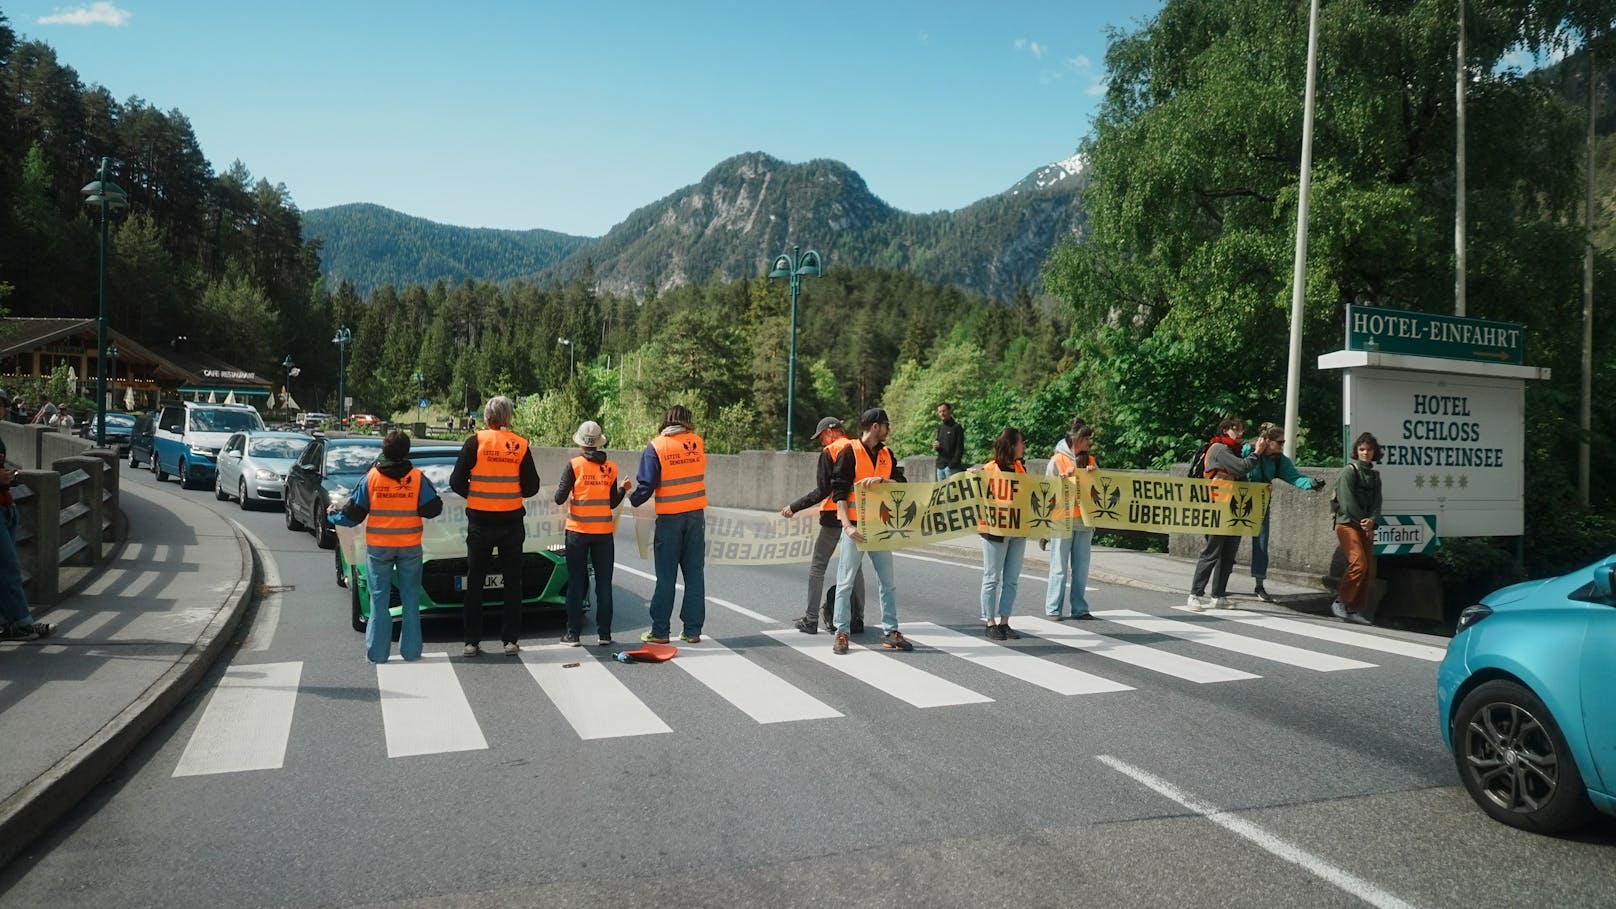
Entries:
{"x":140,"y":440}
{"x":443,"y":552}
{"x":120,"y":427}
{"x":327,"y":472}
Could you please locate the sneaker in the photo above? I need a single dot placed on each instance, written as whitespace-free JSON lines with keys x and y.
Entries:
{"x":689,"y":638}
{"x":512,"y":650}
{"x":1357,"y":619}
{"x":1222,"y":603}
{"x":651,"y":638}
{"x":840,"y":646}
{"x":1085,"y":617}
{"x":856,"y":626}
{"x":570,"y":639}
{"x":1339,"y":610}
{"x":472,"y":650}
{"x":1006,"y":633}
{"x":1197,"y":603}
{"x":1262,"y":594}
{"x":992,"y":632}
{"x":10,"y":632}
{"x":605,"y":640}
{"x":39,"y":629}
{"x":806,"y":625}
{"x":1056,"y":617}
{"x":894,"y":640}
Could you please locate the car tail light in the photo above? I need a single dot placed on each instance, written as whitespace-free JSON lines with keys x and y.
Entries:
{"x":1472,"y":615}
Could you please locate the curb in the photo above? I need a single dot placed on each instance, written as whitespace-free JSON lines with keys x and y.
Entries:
{"x":31,"y":811}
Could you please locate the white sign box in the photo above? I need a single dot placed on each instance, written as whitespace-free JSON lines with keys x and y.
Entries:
{"x":1452,"y":446}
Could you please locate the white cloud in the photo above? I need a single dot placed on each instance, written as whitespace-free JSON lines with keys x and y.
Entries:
{"x":99,"y":13}
{"x":1032,"y":47}
{"x":1080,"y":62}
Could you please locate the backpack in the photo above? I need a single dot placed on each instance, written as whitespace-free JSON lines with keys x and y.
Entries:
{"x":1198,"y":462}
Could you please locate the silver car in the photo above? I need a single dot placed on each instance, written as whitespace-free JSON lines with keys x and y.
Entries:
{"x":253,"y":465}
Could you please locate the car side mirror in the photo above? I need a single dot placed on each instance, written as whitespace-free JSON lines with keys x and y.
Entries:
{"x":1605,"y":580}
{"x":233,"y":454}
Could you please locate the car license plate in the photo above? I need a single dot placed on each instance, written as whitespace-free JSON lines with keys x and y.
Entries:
{"x":490,"y":582}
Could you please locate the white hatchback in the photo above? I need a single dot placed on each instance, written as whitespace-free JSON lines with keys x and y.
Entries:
{"x":253,"y":465}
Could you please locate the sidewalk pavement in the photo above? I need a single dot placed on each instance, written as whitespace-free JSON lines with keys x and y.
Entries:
{"x":140,"y":634}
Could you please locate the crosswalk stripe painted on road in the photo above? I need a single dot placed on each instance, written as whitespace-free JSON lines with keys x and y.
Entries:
{"x":588,"y":695}
{"x":1014,"y":663}
{"x":1181,"y":667}
{"x":1335,"y":634}
{"x":759,"y":693}
{"x":1199,"y":633}
{"x":247,"y":722}
{"x":424,"y":709}
{"x":887,"y":673}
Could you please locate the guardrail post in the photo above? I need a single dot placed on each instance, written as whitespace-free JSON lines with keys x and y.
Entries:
{"x":29,"y":456}
{"x":110,"y":483}
{"x":81,"y":511}
{"x":39,"y":503}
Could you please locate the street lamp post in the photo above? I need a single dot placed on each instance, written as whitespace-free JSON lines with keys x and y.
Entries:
{"x":795,"y":267}
{"x":342,"y":339}
{"x":106,"y":195}
{"x":286,"y":389}
{"x":571,"y":362}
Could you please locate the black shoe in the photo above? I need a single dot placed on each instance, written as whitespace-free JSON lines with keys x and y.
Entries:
{"x":856,"y":626}
{"x":1085,"y":617}
{"x":570,"y":638}
{"x":806,"y":625}
{"x":1006,"y":633}
{"x":995,"y":632}
{"x":1262,"y":594}
{"x":894,"y":640}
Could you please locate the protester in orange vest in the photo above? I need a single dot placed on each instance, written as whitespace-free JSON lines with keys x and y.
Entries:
{"x":833,"y":438}
{"x":590,"y":481}
{"x":1223,"y":462}
{"x":494,"y":474}
{"x":674,"y":469}
{"x":863,"y":464}
{"x":1070,"y":552}
{"x":1002,"y":555}
{"x":394,"y":496}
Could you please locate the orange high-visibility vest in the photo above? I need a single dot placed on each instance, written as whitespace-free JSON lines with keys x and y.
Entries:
{"x":1065,"y":467}
{"x":590,"y":508}
{"x":863,"y":469}
{"x":835,"y":451}
{"x":683,"y":485}
{"x":496,"y":480}
{"x":991,"y":468}
{"x":395,"y":518}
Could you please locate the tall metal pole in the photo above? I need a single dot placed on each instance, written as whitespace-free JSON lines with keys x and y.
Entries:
{"x":101,"y":325}
{"x":1585,"y":417}
{"x":791,"y":362}
{"x":1459,"y":172}
{"x":1293,"y":373}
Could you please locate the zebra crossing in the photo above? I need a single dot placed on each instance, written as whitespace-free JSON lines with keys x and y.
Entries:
{"x":247,"y":721}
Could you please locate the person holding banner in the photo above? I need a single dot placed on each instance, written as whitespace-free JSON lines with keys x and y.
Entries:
{"x":1357,"y":514}
{"x":494,"y":474}
{"x":674,"y":469}
{"x":1223,"y":462}
{"x":1070,"y":553}
{"x":1273,"y":466}
{"x":1001,"y":556}
{"x":590,"y":483}
{"x":832,"y":438}
{"x":864,"y":464}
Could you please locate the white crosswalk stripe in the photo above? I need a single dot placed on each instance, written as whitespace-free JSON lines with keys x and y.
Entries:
{"x":1200,"y":633}
{"x":1181,"y":667}
{"x":886,"y":673}
{"x":424,"y":709}
{"x":1335,"y":634}
{"x":589,"y":696}
{"x":247,"y":722}
{"x":1017,"y":664}
{"x":759,"y":693}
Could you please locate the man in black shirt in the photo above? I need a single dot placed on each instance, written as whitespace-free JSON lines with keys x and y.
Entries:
{"x":832,"y":436}
{"x":950,"y":443}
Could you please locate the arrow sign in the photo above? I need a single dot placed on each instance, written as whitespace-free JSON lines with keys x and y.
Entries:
{"x":1406,"y":534}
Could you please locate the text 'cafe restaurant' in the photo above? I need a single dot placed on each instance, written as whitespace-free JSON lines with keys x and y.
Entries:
{"x":138,"y":376}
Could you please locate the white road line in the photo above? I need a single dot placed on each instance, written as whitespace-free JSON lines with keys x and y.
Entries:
{"x":247,"y":722}
{"x":1014,"y":663}
{"x":268,"y":617}
{"x":1333,"y":633}
{"x":424,"y":708}
{"x":1344,"y":880}
{"x":90,"y":625}
{"x":887,"y":673}
{"x":1199,"y":633}
{"x":758,"y":693}
{"x":588,"y":695}
{"x":1182,"y":667}
{"x":758,"y":616}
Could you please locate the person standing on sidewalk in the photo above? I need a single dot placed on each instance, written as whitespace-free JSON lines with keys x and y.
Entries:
{"x":832,"y":438}
{"x":495,"y":475}
{"x":1001,"y":556}
{"x":674,"y":469}
{"x":1070,"y":553}
{"x":16,"y":622}
{"x":862,"y":465}
{"x":949,"y":444}
{"x":590,"y":482}
{"x":1223,"y":462}
{"x":1272,"y":466}
{"x":394,"y":496}
{"x":1357,"y":514}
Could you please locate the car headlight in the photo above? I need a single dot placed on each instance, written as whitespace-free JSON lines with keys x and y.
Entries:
{"x":204,"y":452}
{"x":264,"y":473}
{"x":1472,"y":615}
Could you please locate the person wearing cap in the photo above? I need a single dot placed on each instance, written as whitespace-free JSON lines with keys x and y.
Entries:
{"x":590,"y":483}
{"x":861,"y":465}
{"x":16,"y":622}
{"x":832,"y":438}
{"x":674,"y":469}
{"x":1272,"y":466}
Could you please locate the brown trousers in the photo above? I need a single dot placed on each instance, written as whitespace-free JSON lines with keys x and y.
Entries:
{"x":1360,"y":574}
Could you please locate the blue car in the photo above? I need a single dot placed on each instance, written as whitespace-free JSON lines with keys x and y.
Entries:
{"x":1527,"y":700}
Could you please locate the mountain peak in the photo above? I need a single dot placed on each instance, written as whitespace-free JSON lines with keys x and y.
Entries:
{"x":1049,"y":175}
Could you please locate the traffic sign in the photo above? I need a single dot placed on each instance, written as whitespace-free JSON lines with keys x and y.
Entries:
{"x":1406,"y":534}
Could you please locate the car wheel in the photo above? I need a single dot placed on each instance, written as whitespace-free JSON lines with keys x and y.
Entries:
{"x":325,"y":536}
{"x":218,"y":489}
{"x":185,"y":476}
{"x":133,"y":461}
{"x":292,"y":523}
{"x":157,"y":469}
{"x":359,"y":622}
{"x":241,"y":494}
{"x":1514,"y":761}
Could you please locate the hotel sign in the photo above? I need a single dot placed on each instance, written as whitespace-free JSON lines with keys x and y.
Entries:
{"x":1430,"y":335}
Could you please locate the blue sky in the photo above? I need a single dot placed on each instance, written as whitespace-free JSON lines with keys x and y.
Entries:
{"x":570,"y":115}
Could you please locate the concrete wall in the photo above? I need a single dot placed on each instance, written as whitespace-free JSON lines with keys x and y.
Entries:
{"x":33,"y":447}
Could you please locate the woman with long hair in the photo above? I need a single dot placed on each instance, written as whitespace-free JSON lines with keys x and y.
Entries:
{"x":1357,"y":514}
{"x":1001,"y":556}
{"x":1069,"y":552}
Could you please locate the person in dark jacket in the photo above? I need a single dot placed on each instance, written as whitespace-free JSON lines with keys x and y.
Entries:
{"x":589,"y":481}
{"x":1358,"y":500}
{"x":949,"y":444}
{"x":495,"y":474}
{"x":832,"y":436}
{"x":1223,"y":462}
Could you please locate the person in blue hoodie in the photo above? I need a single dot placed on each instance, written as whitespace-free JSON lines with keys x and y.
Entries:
{"x":1270,"y":467}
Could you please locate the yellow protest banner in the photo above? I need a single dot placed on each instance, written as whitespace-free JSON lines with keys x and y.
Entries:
{"x":736,"y":537}
{"x":902,"y":515}
{"x":1120,"y":500}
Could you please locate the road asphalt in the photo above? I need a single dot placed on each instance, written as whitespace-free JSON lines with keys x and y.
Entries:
{"x":139,"y":634}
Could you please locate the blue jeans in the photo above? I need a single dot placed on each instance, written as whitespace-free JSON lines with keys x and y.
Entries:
{"x":583,"y":551}
{"x":944,"y":473}
{"x":1259,"y":549}
{"x":380,"y":563}
{"x":679,"y":546}
{"x":847,"y":567}
{"x":1069,"y":553}
{"x":13,"y":602}
{"x":1001,"y":575}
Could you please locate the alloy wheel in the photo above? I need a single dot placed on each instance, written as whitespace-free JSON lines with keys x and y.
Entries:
{"x":1512,"y":757}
